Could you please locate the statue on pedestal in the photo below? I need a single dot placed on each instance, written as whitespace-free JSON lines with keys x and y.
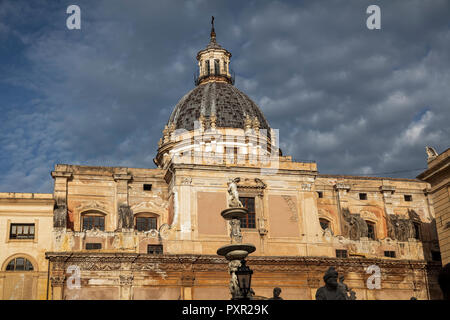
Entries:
{"x":331,"y":289}
{"x":234,"y":285}
{"x":233,"y":195}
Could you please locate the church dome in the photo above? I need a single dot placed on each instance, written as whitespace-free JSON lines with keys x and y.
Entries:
{"x":215,"y":118}
{"x":229,"y":105}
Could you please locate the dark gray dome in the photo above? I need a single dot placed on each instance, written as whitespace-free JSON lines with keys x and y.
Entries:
{"x":224,"y":100}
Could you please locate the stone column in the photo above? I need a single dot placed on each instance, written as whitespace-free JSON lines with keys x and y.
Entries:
{"x":309,"y":213}
{"x":122,"y":217}
{"x":341,"y":192}
{"x":187,"y":282}
{"x":387,"y":192}
{"x":126,"y":286}
{"x":57,"y":285}
{"x":60,"y":196}
{"x":2,"y":277}
{"x":184,"y":188}
{"x":262,"y":221}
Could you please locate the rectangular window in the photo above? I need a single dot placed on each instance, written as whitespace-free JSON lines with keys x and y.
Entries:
{"x":436,"y":256}
{"x":145,"y":223}
{"x":320,"y":194}
{"x":341,"y":253}
{"x":21,"y":231}
{"x":91,"y":222}
{"x":154,"y":249}
{"x":363,"y":196}
{"x":389,"y":254}
{"x":147,"y":187}
{"x":371,"y":230}
{"x":93,"y":246}
{"x":408,"y":197}
{"x":249,"y":221}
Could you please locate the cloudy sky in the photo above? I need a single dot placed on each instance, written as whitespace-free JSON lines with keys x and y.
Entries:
{"x":358,"y":101}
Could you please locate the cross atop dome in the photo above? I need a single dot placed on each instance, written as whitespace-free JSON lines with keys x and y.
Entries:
{"x":213,"y":33}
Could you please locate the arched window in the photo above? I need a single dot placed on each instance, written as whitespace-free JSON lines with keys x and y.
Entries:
{"x":93,"y":220}
{"x":216,"y":67}
{"x":324,"y":223}
{"x":208,"y":70}
{"x":19,"y":264}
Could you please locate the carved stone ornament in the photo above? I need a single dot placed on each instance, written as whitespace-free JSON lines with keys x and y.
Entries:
{"x":126,"y":280}
{"x":247,"y":183}
{"x":400,"y":228}
{"x":60,"y":214}
{"x":431,"y":153}
{"x":125,"y":215}
{"x":186,"y":181}
{"x":91,"y":205}
{"x":57,"y":280}
{"x":262,"y":227}
{"x":234,"y":285}
{"x":202,"y":122}
{"x":235,"y":233}
{"x":255,"y":124}
{"x":166,"y":134}
{"x":368,"y":215}
{"x":355,"y":227}
{"x":247,"y":123}
{"x":156,"y":204}
{"x":306,"y":186}
{"x":213,"y":120}
{"x":292,"y":208}
{"x":342,"y":186}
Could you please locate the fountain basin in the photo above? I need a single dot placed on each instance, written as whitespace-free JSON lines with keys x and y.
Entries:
{"x":245,"y":247}
{"x":234,"y":213}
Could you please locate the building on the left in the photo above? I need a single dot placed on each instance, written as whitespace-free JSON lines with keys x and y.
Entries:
{"x":26,"y":222}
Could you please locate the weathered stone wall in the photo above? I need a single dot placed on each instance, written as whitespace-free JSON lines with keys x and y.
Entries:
{"x":26,"y":208}
{"x":438,"y":175}
{"x":206,"y":277}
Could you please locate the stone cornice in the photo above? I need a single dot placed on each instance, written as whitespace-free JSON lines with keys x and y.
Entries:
{"x":385,"y":188}
{"x":342,"y":186}
{"x":238,"y":168}
{"x":147,"y":262}
{"x":117,"y":177}
{"x":59,"y":174}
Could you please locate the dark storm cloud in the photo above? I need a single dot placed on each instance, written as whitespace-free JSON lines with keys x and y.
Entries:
{"x":354,"y":100}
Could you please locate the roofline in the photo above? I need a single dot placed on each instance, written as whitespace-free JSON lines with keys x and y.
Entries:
{"x":367,"y":178}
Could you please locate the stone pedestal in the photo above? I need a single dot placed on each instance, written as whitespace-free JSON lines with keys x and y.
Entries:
{"x":236,"y":251}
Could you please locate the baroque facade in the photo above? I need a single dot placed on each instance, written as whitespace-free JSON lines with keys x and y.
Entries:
{"x":438,"y":175}
{"x":130,"y":233}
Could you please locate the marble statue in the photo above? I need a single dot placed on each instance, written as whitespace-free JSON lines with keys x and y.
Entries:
{"x":233,"y":195}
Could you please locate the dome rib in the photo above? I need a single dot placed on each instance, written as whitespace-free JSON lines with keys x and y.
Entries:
{"x":228,"y":103}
